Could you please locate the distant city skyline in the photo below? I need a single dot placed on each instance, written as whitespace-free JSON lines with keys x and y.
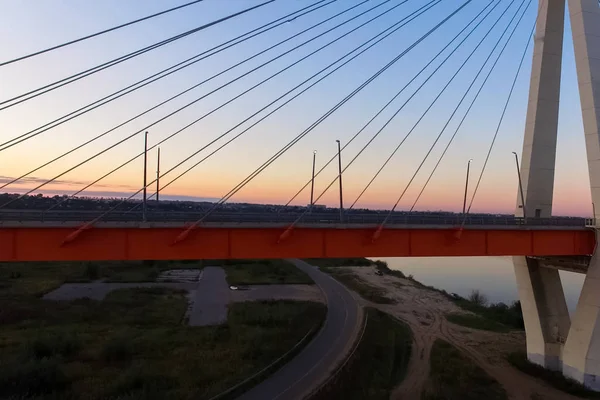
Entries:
{"x":28,"y":26}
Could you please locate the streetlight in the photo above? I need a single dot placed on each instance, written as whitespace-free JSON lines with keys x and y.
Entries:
{"x":145,"y":169}
{"x":520,"y":186}
{"x":157,"y":175}
{"x":340,"y":178}
{"x":312,"y":182}
{"x":466,"y":186}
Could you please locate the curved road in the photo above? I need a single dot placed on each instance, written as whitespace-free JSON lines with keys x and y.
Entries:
{"x":315,"y":362}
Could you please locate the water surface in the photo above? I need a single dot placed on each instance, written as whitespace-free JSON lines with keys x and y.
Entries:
{"x":494,"y":276}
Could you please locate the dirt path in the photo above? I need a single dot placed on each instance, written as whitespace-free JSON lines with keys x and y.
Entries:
{"x":424,"y":312}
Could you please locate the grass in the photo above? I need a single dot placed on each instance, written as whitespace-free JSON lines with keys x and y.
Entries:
{"x":477,"y":322}
{"x":454,"y":376}
{"x":133,"y":345}
{"x":39,"y":278}
{"x":379,"y":364}
{"x":365,"y":290}
{"x":553,"y":378}
{"x":339,"y":262}
{"x":265,"y":272}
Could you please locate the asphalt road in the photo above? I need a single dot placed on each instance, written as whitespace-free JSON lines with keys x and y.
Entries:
{"x":314,"y":363}
{"x":350,"y":218}
{"x":212,"y":297}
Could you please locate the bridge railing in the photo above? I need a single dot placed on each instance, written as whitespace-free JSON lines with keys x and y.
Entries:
{"x":286,"y":217}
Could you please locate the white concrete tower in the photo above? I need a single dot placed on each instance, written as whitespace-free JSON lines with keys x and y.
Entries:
{"x":543,"y":302}
{"x":581,"y":358}
{"x":552,"y":341}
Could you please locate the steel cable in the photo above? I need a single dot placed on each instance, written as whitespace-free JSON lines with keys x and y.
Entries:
{"x":153,"y":78}
{"x":296,"y":139}
{"x":114,"y":28}
{"x":406,"y":86}
{"x":460,"y":124}
{"x":446,"y":86}
{"x":316,"y":123}
{"x":210,"y":112}
{"x":75,"y":77}
{"x":514,"y":83}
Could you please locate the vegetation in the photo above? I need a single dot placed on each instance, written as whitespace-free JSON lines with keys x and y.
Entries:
{"x":339,"y":262}
{"x":132,"y":344}
{"x":497,"y":317}
{"x":361,"y":287}
{"x":554,"y":378}
{"x":477,"y":322}
{"x":454,"y":376}
{"x":383,"y":267}
{"x":378,"y":365}
{"x":500,"y":313}
{"x":265,"y":272}
{"x":478,"y":298}
{"x":39,"y":278}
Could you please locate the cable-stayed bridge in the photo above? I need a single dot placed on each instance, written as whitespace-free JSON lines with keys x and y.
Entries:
{"x":289,"y":55}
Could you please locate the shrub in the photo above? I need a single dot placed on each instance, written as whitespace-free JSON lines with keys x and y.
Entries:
{"x":118,"y":349}
{"x":478,"y":298}
{"x":51,"y":345}
{"x":35,"y":377}
{"x":137,"y":383}
{"x":92,"y":271}
{"x":153,"y":274}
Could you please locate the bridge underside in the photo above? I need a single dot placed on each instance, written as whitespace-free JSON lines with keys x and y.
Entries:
{"x":159,"y":243}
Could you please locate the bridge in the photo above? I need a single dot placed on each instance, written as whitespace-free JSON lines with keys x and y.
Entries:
{"x":130,"y":229}
{"x":39,"y":236}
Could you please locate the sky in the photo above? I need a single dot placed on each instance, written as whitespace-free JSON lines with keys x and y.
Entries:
{"x":27,"y":26}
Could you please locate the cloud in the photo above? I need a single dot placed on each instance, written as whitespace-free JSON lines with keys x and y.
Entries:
{"x":34,"y":180}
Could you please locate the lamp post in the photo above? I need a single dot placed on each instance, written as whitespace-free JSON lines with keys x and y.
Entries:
{"x":466,"y":186}
{"x":520,"y":186}
{"x":312,"y":181}
{"x":144,"y":204}
{"x":340,"y":179}
{"x":157,"y":175}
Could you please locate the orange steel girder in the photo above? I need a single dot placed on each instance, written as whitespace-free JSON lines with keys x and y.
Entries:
{"x":48,"y":244}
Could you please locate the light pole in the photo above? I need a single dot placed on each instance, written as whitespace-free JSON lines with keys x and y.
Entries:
{"x":466,"y":187}
{"x":145,"y":169}
{"x":157,"y":175}
{"x":340,"y":179}
{"x":312,"y":182}
{"x":520,"y":186}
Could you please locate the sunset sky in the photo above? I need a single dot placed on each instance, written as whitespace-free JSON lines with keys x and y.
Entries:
{"x":30,"y":25}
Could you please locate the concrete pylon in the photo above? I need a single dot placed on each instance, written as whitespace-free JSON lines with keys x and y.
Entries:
{"x":545,"y":311}
{"x":581,"y":358}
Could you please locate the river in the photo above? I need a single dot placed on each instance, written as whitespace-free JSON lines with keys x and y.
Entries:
{"x":493,"y":276}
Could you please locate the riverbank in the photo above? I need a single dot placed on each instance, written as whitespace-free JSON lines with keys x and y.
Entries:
{"x":425,"y":310}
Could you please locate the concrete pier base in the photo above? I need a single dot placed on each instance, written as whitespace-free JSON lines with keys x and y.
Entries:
{"x":581,"y":356}
{"x":545,"y":312}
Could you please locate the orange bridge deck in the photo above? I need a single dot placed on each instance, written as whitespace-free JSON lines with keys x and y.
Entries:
{"x":39,"y":243}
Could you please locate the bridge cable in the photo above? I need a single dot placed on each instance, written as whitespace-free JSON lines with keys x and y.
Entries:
{"x":155,"y":77}
{"x":509,"y":98}
{"x":465,"y":62}
{"x":393,"y":116}
{"x":392,"y":29}
{"x":75,"y":77}
{"x":405,"y":87}
{"x":114,"y":28}
{"x":462,"y":121}
{"x":297,"y":138}
{"x":213,"y":110}
{"x":314,"y":125}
